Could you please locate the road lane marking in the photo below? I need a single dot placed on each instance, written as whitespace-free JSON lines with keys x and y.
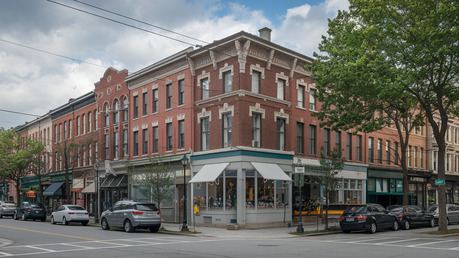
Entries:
{"x":5,"y":254}
{"x":48,"y":233}
{"x":431,"y":243}
{"x":396,"y":241}
{"x":41,"y":248}
{"x":80,"y":246}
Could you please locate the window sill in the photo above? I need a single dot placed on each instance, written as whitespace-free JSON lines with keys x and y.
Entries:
{"x":168,"y":109}
{"x":302,"y":108}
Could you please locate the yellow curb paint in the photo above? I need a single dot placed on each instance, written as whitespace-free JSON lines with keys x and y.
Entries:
{"x":36,"y":231}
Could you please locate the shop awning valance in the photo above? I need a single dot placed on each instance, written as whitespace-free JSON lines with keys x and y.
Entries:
{"x":271,"y":171}
{"x":55,"y":189}
{"x":209,"y":173}
{"x":90,"y":189}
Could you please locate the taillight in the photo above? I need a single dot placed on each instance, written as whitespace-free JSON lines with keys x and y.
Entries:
{"x":29,"y":208}
{"x":71,"y":213}
{"x":400,"y":216}
{"x":137,"y":212}
{"x":362,"y":218}
{"x":85,"y":213}
{"x":159,"y":212}
{"x":341,"y":218}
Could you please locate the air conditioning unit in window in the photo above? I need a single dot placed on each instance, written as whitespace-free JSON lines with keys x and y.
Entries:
{"x":255,"y":143}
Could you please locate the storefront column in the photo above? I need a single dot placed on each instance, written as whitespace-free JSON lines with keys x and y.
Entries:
{"x":241,"y":198}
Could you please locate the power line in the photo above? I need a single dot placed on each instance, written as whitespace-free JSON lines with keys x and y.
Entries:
{"x":122,"y":23}
{"x":146,"y":23}
{"x":51,"y":53}
{"x":16,"y":112}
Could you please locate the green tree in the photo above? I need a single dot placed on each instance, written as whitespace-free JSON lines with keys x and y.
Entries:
{"x":16,"y":155}
{"x":155,"y":180}
{"x":38,"y":165}
{"x":392,"y":52}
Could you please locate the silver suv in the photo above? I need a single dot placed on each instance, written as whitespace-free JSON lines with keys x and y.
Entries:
{"x":7,"y":208}
{"x":131,"y":215}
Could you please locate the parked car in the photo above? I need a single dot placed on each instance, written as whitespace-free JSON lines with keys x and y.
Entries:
{"x":70,"y":213}
{"x":368,"y":217}
{"x":7,"y":208}
{"x":131,"y":215}
{"x":28,"y":210}
{"x":411,"y":215}
{"x":452,"y":213}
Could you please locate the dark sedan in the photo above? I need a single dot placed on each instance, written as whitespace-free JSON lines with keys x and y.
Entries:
{"x":368,"y":217}
{"x":29,"y":210}
{"x":412,"y":215}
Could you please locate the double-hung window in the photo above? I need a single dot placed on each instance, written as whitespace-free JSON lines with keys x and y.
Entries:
{"x":169,"y":136}
{"x":107,"y":146}
{"x":136,"y":143}
{"x":181,"y":93}
{"x":280,"y":131}
{"x":349,"y":146}
{"x":116,"y":145}
{"x":256,"y":130}
{"x":227,"y":130}
{"x":280,"y":89}
{"x":125,"y":143}
{"x":145,"y":103}
{"x":388,"y":152}
{"x":181,"y":135}
{"x":155,"y":139}
{"x":312,"y":99}
{"x":371,"y":150}
{"x":169,"y":96}
{"x":338,"y":141}
{"x":312,"y":140}
{"x":326,"y":142}
{"x":205,"y":88}
{"x":227,"y":81}
{"x":256,"y":82}
{"x":116,"y":113}
{"x":125,"y":109}
{"x":205,"y":133}
{"x":300,"y":138}
{"x":145,"y":141}
{"x":300,"y":96}
{"x":379,"y":151}
{"x":136,"y":107}
{"x":155,"y":100}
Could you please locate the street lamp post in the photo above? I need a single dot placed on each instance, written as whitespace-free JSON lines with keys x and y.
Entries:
{"x":96,"y":212}
{"x":184,"y":163}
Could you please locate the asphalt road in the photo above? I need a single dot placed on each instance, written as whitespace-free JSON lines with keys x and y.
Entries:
{"x":41,"y":239}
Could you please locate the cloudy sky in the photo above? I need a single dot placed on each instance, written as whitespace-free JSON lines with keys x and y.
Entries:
{"x":50,"y":53}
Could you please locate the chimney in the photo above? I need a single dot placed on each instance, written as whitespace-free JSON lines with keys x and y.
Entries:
{"x":265,"y":33}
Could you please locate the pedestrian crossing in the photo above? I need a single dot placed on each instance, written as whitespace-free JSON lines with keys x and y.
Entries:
{"x":28,"y":250}
{"x":428,"y":243}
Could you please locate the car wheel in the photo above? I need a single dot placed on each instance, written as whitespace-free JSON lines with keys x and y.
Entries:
{"x":406,"y":225}
{"x":64,"y":221}
{"x":85,"y":223}
{"x":372,"y":228}
{"x":432,"y":223}
{"x":15,"y":216}
{"x":154,"y":229}
{"x":128,"y":226}
{"x":104,"y":224}
{"x":52,"y":220}
{"x":395,"y":226}
{"x":1,"y":216}
{"x":24,"y":216}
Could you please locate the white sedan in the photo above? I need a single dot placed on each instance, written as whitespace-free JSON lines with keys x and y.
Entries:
{"x":70,"y":213}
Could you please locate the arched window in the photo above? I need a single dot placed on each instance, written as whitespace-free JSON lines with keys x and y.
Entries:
{"x":107,"y":117}
{"x":116,"y":109}
{"x":125,"y":109}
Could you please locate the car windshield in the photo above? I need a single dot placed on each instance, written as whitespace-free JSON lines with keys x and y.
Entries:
{"x":146,"y":207}
{"x":432,"y":208}
{"x":76,"y":208}
{"x":355,"y":209}
{"x":36,"y":205}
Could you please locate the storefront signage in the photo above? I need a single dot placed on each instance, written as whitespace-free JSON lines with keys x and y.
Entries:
{"x":440,"y":182}
{"x":299,"y":170}
{"x":399,"y":186}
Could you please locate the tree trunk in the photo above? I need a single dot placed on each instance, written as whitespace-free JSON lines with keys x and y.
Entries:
{"x":326,"y":211}
{"x":442,"y":222}
{"x":18,"y":192}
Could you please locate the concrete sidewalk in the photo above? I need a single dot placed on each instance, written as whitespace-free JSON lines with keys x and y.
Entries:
{"x":275,"y":232}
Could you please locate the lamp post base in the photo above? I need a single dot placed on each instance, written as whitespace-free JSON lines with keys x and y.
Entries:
{"x":300,"y":228}
{"x":185,"y":227}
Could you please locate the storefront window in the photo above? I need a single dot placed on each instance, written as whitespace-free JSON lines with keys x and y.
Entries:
{"x":250,"y":189}
{"x":265,"y":193}
{"x":231,"y":190}
{"x":200,"y":195}
{"x":281,"y":194}
{"x":353,"y":191}
{"x":215,"y":193}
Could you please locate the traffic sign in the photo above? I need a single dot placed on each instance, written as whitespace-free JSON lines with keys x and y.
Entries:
{"x":439,"y":181}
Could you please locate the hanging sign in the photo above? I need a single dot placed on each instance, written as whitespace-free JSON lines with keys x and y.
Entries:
{"x":440,"y":182}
